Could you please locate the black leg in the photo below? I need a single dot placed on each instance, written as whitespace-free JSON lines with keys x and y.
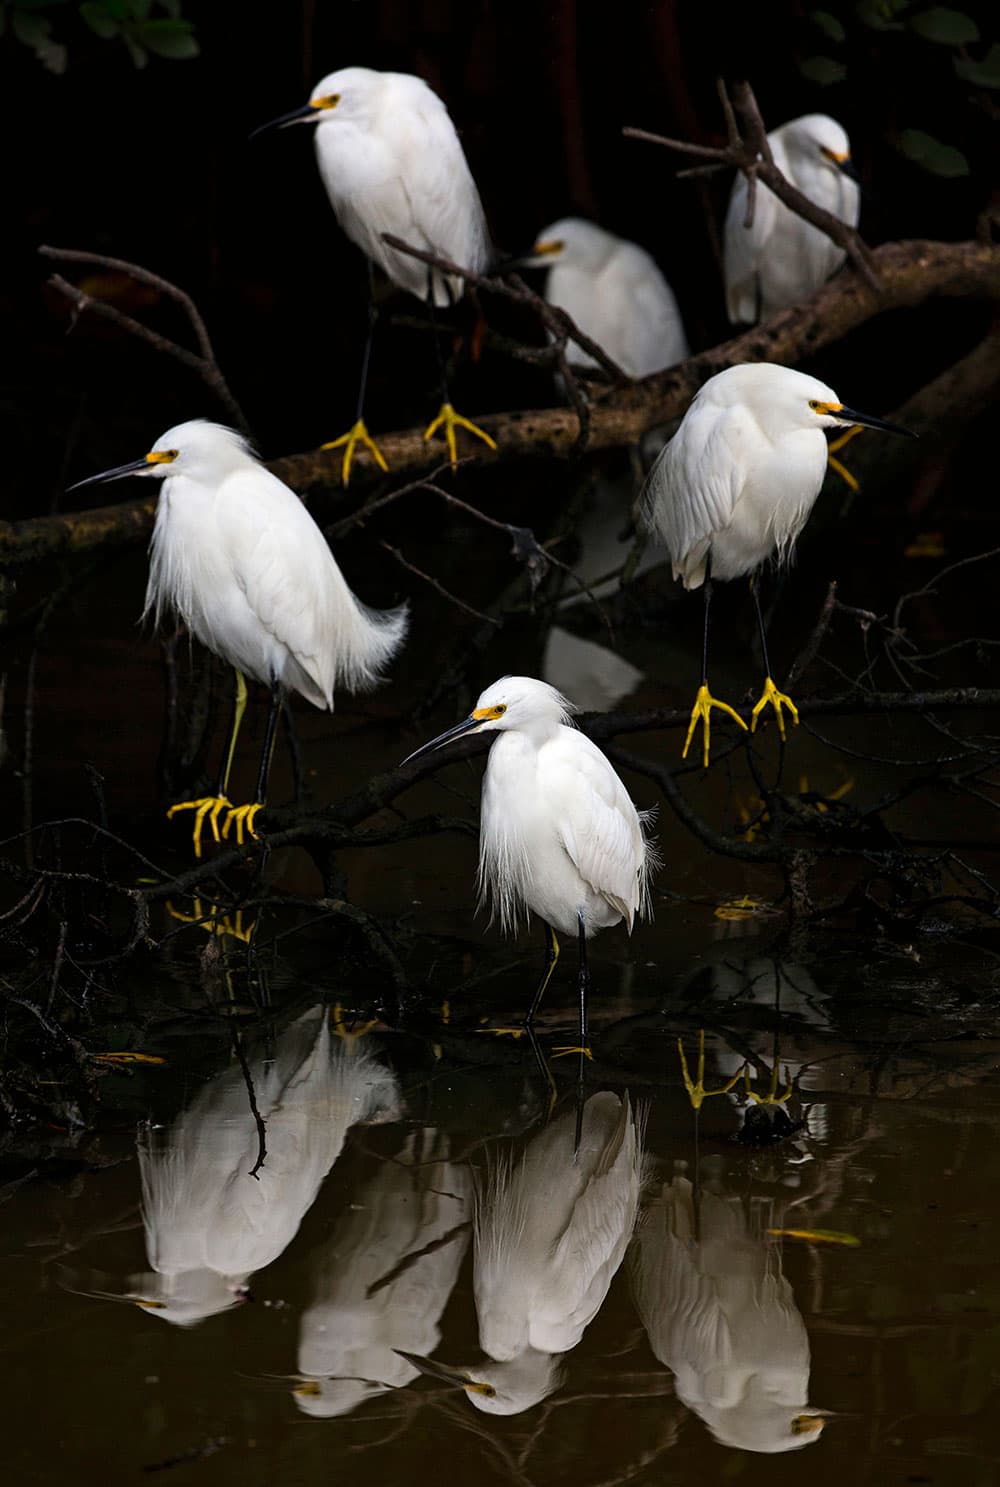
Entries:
{"x":551,"y":956}
{"x":755,"y":590}
{"x":583,"y":981}
{"x":707,"y":586}
{"x":277,"y":697}
{"x":439,"y":354}
{"x":369,"y":337}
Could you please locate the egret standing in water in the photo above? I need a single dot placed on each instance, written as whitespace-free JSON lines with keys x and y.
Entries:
{"x":616,"y":295}
{"x":239,"y":559}
{"x":780,"y":259}
{"x":734,"y":488}
{"x":391,"y":162}
{"x":559,"y":836}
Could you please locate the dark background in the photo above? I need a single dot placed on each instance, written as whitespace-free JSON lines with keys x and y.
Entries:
{"x":155,"y":165}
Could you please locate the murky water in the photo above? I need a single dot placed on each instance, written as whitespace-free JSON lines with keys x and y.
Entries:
{"x":165,"y":1310}
{"x":607,"y":1318}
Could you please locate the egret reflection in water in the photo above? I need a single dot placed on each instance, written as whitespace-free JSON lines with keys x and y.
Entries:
{"x":383,"y":1279}
{"x":209,"y":1225}
{"x":551,"y":1230}
{"x":721,"y":1316}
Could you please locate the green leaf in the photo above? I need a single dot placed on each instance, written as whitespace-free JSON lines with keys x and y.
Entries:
{"x":926,"y":151}
{"x":168,"y":38}
{"x":828,"y":24}
{"x":96,"y":17}
{"x":823,"y":70}
{"x":984,"y":74}
{"x":949,"y":27}
{"x":878,"y":14}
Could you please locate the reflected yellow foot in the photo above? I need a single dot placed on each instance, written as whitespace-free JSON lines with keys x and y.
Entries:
{"x":214,"y":923}
{"x":209,"y":808}
{"x":772,"y":1097}
{"x":242,"y":817}
{"x":504,"y":1032}
{"x":703,"y":704}
{"x":575,"y":1048}
{"x":357,"y":435}
{"x":350,"y":1035}
{"x":450,"y":421}
{"x":697,"y":1093}
{"x":773,"y":698}
{"x":834,"y":446}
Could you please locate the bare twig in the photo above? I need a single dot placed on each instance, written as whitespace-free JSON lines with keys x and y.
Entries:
{"x":204,"y":362}
{"x":750,"y":153}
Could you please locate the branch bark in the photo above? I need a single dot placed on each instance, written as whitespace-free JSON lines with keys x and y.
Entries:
{"x":910,"y":273}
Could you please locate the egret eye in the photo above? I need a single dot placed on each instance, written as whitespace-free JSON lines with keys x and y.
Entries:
{"x":814,"y":404}
{"x":500,"y":709}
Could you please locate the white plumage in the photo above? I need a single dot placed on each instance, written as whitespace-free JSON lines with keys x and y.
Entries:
{"x":236,"y":554}
{"x":721,"y":1316}
{"x":551,"y":1231}
{"x":739,"y":478}
{"x":384,"y":1278}
{"x":615,"y":293}
{"x":559,"y":835}
{"x":782,"y":259}
{"x":209,"y":1225}
{"x":391,"y":161}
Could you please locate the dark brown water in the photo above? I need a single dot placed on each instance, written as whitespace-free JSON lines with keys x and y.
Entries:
{"x":357,"y":1239}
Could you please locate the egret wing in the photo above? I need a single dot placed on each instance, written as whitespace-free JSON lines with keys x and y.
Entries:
{"x":657,"y":337}
{"x":597,"y":823}
{"x":744,"y":248}
{"x":693,"y":487}
{"x":284,"y":568}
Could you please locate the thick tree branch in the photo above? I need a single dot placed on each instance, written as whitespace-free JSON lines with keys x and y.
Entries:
{"x":910,"y":273}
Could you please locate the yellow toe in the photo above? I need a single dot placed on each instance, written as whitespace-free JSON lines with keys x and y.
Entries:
{"x":357,"y":435}
{"x":771,"y":697}
{"x":701,"y":712}
{"x":448,"y":420}
{"x":242,"y":818}
{"x":208,"y":808}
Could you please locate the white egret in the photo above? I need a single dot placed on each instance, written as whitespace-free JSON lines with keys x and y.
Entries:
{"x":551,"y":1231}
{"x":210,"y":1224}
{"x":616,"y":295}
{"x":734,"y":488}
{"x":559,"y":836}
{"x":237,"y":556}
{"x":781,"y":259}
{"x":721,"y":1316}
{"x":384,"y":1277}
{"x":597,"y":676}
{"x":391,"y":162}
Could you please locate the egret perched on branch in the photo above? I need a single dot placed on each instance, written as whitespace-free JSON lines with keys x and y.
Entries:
{"x":734,"y":488}
{"x":721,"y":1316}
{"x":616,"y":295}
{"x":551,"y":1231}
{"x":392,"y":163}
{"x":780,"y":259}
{"x":559,"y":836}
{"x":238,"y":557}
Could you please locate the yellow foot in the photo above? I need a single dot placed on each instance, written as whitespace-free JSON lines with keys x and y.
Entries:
{"x":357,"y":435}
{"x":697,"y":1093}
{"x":837,"y":444}
{"x":703,"y":704}
{"x":209,"y":808}
{"x":772,"y":1097}
{"x":771,"y":696}
{"x":562,"y":1052}
{"x":243,"y":818}
{"x":350,"y":1035}
{"x":504,"y":1032}
{"x":450,"y":420}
